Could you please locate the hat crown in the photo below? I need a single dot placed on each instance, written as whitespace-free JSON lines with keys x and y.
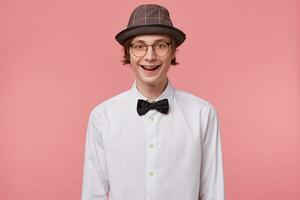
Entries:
{"x":149,"y":14}
{"x":150,"y":19}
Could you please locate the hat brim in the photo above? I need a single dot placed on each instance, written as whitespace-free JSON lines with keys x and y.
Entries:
{"x":177,"y":35}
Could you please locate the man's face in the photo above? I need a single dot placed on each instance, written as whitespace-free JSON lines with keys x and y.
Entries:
{"x":151,"y":69}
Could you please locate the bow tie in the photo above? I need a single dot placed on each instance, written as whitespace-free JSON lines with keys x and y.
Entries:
{"x":144,"y":106}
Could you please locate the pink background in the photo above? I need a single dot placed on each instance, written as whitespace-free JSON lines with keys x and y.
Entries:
{"x":58,"y":59}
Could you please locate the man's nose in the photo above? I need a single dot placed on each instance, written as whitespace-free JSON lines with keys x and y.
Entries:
{"x":150,"y":54}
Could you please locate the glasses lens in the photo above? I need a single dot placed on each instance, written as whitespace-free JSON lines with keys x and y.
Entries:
{"x":139,"y":49}
{"x":161,"y":48}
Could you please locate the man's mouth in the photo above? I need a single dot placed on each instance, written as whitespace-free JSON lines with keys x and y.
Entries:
{"x":150,"y":67}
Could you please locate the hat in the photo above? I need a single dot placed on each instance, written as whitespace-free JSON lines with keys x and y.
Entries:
{"x":150,"y":19}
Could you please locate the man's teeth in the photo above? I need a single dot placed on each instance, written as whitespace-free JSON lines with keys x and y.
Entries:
{"x":152,"y":67}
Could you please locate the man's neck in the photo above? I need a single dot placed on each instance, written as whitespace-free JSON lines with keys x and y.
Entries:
{"x":151,"y":92}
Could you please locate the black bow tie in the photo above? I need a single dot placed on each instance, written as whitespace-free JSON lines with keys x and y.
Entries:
{"x":144,"y":106}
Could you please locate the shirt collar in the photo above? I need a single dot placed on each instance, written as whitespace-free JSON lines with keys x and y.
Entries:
{"x":168,"y":93}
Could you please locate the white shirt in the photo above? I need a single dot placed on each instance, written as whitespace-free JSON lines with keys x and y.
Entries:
{"x":174,"y":156}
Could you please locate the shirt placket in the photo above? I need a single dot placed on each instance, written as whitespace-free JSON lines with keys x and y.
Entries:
{"x":151,"y":153}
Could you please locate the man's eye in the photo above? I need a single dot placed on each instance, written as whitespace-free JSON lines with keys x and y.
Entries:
{"x":161,"y":45}
{"x":139,"y":46}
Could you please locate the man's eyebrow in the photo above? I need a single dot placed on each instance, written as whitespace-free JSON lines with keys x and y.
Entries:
{"x":158,"y":40}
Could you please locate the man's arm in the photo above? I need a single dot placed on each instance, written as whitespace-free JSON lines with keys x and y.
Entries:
{"x":211,"y":176}
{"x":95,"y":179}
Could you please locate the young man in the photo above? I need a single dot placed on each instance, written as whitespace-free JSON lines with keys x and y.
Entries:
{"x":152,"y":142}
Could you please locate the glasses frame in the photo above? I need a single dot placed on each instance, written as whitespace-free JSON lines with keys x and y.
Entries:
{"x":152,"y":45}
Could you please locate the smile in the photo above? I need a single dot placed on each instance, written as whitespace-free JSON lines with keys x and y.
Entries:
{"x":150,"y":67}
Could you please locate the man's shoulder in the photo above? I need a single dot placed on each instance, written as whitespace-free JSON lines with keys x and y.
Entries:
{"x":191,"y":99}
{"x":194,"y":105}
{"x":116,"y":99}
{"x":113,"y":101}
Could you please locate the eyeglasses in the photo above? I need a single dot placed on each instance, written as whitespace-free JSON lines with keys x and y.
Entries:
{"x":140,"y":49}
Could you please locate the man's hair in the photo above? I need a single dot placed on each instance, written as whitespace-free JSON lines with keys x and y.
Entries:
{"x":126,"y":49}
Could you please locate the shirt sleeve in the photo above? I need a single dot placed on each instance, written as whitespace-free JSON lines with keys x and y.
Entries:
{"x":211,"y":175}
{"x":95,"y":178}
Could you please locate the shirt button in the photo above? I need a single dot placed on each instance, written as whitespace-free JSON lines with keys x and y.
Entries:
{"x":151,"y":173}
{"x":151,"y":146}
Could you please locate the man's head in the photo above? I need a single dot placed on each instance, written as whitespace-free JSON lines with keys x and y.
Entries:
{"x":149,"y":41}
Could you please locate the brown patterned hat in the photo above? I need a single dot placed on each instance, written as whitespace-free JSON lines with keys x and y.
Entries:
{"x":150,"y":19}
